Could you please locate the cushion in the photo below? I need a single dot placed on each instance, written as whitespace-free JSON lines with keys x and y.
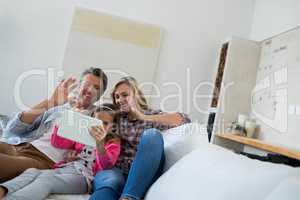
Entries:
{"x":182,"y":140}
{"x":214,"y":173}
{"x":287,"y":189}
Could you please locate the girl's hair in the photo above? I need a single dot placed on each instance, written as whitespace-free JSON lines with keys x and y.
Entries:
{"x":138,"y":94}
{"x":106,"y":107}
{"x":111,"y":109}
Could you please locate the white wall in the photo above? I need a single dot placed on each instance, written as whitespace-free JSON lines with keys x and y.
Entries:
{"x":32,"y":36}
{"x":35,"y":34}
{"x":272,"y":17}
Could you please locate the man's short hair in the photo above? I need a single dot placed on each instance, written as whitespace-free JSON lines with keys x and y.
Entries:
{"x":98,"y":73}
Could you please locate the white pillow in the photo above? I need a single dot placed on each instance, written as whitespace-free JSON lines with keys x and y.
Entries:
{"x":215,"y":173}
{"x":288,"y":189}
{"x":182,"y":140}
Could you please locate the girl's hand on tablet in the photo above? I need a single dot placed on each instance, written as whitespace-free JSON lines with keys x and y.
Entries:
{"x":99,"y":133}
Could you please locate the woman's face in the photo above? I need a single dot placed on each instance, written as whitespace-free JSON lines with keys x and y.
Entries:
{"x":106,"y":119}
{"x":124,"y":97}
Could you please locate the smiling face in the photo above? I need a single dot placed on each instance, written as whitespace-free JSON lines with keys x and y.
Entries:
{"x":124,"y":97}
{"x":90,"y":90}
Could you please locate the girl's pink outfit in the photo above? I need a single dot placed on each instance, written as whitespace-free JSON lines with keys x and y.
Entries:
{"x":91,"y":158}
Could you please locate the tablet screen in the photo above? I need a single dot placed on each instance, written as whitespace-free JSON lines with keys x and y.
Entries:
{"x":74,"y":126}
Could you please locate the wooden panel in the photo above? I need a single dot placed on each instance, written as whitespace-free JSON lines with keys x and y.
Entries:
{"x":218,"y":81}
{"x":261,"y":145}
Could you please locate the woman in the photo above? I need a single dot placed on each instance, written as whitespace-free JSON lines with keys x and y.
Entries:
{"x":142,"y":153}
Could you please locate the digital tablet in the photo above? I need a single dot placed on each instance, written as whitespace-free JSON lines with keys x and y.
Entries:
{"x":74,"y":126}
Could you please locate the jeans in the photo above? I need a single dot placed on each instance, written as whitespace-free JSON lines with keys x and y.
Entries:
{"x":145,"y":169}
{"x":36,"y":184}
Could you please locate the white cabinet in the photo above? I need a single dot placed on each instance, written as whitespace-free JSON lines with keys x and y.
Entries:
{"x":261,"y":79}
{"x":235,"y":79}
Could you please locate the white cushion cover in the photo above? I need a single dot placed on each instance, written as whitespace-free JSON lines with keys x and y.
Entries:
{"x":214,"y":173}
{"x":182,"y":140}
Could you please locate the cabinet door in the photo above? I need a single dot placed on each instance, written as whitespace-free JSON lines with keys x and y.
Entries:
{"x":217,"y":89}
{"x":237,"y":81}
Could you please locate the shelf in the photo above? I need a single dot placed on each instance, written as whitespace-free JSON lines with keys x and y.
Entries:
{"x":261,"y":145}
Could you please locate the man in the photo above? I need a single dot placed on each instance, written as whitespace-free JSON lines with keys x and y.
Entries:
{"x":27,"y":135}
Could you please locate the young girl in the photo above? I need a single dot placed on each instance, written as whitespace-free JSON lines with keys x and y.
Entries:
{"x":75,"y":174}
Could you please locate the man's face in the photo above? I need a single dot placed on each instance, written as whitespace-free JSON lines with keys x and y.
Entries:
{"x":90,"y":90}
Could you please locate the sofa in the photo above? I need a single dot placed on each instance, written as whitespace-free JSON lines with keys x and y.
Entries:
{"x":195,"y":169}
{"x":178,"y":142}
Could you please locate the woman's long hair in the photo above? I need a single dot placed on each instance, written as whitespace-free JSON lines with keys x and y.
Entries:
{"x":138,"y":94}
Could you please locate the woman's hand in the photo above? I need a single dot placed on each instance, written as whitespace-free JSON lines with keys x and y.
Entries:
{"x":136,"y":114}
{"x":70,"y":156}
{"x":61,"y":92}
{"x":135,"y":111}
{"x":172,"y":119}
